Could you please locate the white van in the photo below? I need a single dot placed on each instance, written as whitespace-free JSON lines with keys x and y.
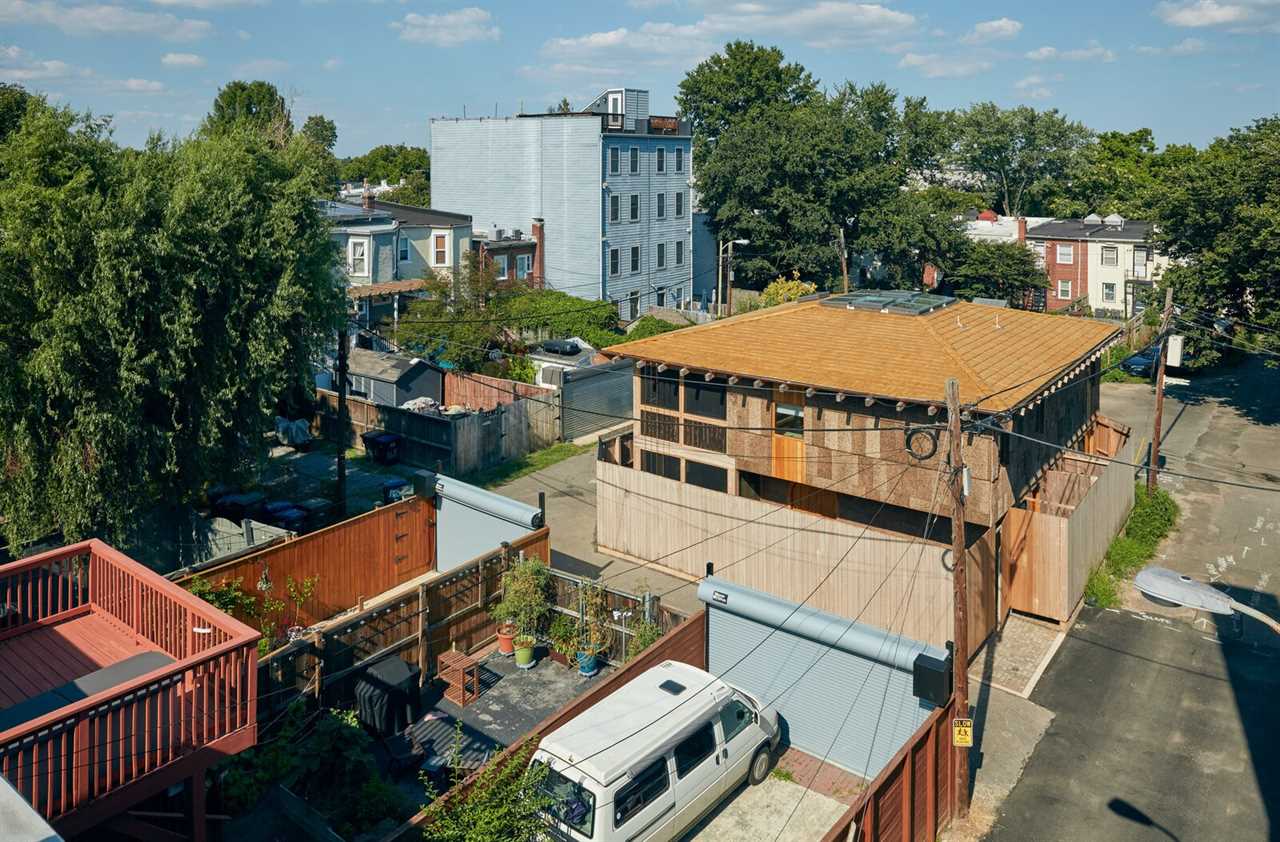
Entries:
{"x":650,"y":760}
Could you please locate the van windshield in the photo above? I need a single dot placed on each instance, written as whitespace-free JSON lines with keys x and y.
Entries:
{"x":571,"y":803}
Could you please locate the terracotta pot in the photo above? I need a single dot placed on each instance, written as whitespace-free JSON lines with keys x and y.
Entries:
{"x":506,"y":639}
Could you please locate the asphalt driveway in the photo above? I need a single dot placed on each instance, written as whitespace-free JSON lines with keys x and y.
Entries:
{"x":1160,"y":732}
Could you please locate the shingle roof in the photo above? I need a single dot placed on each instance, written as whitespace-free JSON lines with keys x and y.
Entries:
{"x":1000,"y":357}
{"x":379,"y":365}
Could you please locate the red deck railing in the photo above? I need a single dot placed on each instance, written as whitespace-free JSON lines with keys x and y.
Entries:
{"x":65,"y":760}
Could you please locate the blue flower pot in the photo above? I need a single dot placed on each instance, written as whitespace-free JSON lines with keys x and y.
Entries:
{"x":588,"y":664}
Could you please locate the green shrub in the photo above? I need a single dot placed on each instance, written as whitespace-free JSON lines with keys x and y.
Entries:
{"x":1126,"y":556}
{"x":1102,"y":589}
{"x":1152,"y":518}
{"x":643,"y":635}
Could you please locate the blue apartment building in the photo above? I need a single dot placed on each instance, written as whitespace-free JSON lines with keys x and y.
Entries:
{"x":611,"y":185}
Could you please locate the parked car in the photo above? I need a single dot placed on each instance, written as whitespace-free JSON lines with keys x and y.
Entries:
{"x":1143,"y":363}
{"x":651,"y":759}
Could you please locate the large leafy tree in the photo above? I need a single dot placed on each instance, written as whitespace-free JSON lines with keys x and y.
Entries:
{"x":321,"y":131}
{"x":1218,"y":215}
{"x":1113,"y":174}
{"x":257,"y":105}
{"x":154,"y":305}
{"x":995,"y":270}
{"x":1017,"y":154}
{"x":390,"y":161}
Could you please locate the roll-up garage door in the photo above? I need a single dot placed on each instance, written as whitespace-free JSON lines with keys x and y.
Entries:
{"x":595,"y":398}
{"x":842,"y":689}
{"x":473,"y":521}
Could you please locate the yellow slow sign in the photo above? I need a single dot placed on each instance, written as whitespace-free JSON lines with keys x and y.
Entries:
{"x":962,"y":733}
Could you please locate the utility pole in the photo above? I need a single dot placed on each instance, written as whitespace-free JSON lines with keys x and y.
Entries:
{"x":1153,"y":464}
{"x":728,"y":282}
{"x":719,"y":273}
{"x":344,"y":423}
{"x":960,"y":647}
{"x":844,"y":258}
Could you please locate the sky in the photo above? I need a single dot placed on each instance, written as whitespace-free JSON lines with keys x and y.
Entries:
{"x":1188,"y":69}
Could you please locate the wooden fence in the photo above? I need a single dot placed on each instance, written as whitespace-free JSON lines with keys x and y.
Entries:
{"x":913,"y":797}
{"x":350,"y":561}
{"x":687,"y":643}
{"x":455,"y":444}
{"x":416,"y":621}
{"x":479,"y":391}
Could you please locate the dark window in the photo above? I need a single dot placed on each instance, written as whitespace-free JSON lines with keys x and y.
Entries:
{"x":695,"y":748}
{"x":635,"y":159}
{"x":635,"y":207}
{"x":662,"y":293}
{"x":706,"y":476}
{"x":662,"y":159}
{"x":659,"y":426}
{"x":705,"y":436}
{"x":660,"y":388}
{"x":662,"y":262}
{"x":660,"y":464}
{"x":705,"y":398}
{"x":633,"y":301}
{"x":679,"y":252}
{"x":571,"y":803}
{"x":788,"y":419}
{"x":680,"y":204}
{"x":652,"y":781}
{"x":613,"y":208}
{"x":660,"y":205}
{"x":761,"y":487}
{"x":733,"y":718}
{"x":613,"y":261}
{"x":613,"y":159}
{"x":635,"y":262}
{"x":679,"y":159}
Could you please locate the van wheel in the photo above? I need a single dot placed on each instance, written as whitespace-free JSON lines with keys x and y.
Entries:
{"x":760,"y":765}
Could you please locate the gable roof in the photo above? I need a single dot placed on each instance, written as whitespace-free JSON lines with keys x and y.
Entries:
{"x":380,"y":365}
{"x":413,"y":215}
{"x":1000,"y":357}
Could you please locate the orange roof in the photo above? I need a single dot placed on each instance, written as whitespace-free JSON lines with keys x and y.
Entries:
{"x":384,"y":288}
{"x":1000,"y":357}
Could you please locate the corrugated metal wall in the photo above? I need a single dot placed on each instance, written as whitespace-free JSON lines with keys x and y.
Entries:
{"x":595,"y":398}
{"x":852,"y":710}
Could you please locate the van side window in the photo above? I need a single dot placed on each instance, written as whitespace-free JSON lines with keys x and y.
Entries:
{"x":733,"y":718}
{"x":694,"y":749}
{"x":652,"y":781}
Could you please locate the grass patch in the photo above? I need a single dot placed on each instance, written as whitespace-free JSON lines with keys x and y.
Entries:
{"x":783,"y":775}
{"x":525,"y":465}
{"x":1153,"y":517}
{"x":1115,"y":356}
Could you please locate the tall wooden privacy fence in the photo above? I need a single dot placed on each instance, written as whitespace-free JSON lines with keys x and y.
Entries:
{"x":913,"y":797}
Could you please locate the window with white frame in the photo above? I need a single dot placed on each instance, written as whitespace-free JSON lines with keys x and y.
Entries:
{"x":1038,"y":248}
{"x":660,"y":160}
{"x":614,"y":166}
{"x":1066,"y":253}
{"x":524,"y":263}
{"x":660,"y":205}
{"x":440,"y":251}
{"x":1109,"y":293}
{"x":635,"y":207}
{"x":635,"y":160}
{"x":404,"y":248}
{"x":1064,"y":290}
{"x":358,"y":257}
{"x":679,"y":159}
{"x":679,"y":252}
{"x":613,"y":208}
{"x":680,"y":204}
{"x":635,"y":258}
{"x":662,"y":255}
{"x":613,"y":261}
{"x":1110,"y":256}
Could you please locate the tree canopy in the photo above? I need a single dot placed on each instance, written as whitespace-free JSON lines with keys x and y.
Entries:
{"x":321,"y":131}
{"x":154,"y":305}
{"x":389,"y":161}
{"x":995,"y":270}
{"x":257,"y":105}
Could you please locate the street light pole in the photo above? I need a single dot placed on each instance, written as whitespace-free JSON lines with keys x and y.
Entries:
{"x":1170,"y":586}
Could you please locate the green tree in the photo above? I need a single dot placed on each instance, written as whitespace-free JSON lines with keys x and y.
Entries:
{"x":257,"y":104}
{"x":995,"y":270}
{"x":1218,"y":216}
{"x":14,"y":100}
{"x":782,"y":290}
{"x":154,"y":304}
{"x":507,"y":802}
{"x":727,"y":87}
{"x":321,"y":131}
{"x":416,"y":191}
{"x":390,"y":162}
{"x":1018,"y":153}
{"x":1113,"y":174}
{"x":562,"y":107}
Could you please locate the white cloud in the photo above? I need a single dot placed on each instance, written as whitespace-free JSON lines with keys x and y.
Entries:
{"x":934,"y":66}
{"x":261,"y":67}
{"x":332,"y":63}
{"x":1000,"y":29}
{"x":1185,"y":47}
{"x":182,"y":60}
{"x":208,"y":4}
{"x":17,"y":65}
{"x":1036,"y":86}
{"x":448,"y":29}
{"x":102,"y":19}
{"x":134,"y":86}
{"x":1093,"y":52}
{"x":1203,"y":13}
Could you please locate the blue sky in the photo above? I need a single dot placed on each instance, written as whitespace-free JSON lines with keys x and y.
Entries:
{"x":1189,"y":69}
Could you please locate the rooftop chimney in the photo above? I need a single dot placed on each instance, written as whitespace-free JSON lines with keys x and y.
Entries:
{"x":1022,"y":229}
{"x":539,"y":252}
{"x":366,"y":197}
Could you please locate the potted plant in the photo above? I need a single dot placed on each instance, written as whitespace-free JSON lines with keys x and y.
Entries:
{"x":594,"y":633}
{"x":506,"y":629}
{"x":524,"y":604}
{"x":563,"y":636}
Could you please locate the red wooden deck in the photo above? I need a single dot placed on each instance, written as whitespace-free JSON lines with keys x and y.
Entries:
{"x":50,"y":656}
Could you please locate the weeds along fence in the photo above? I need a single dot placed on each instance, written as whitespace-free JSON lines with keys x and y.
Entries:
{"x":626,"y":610}
{"x":415,"y":621}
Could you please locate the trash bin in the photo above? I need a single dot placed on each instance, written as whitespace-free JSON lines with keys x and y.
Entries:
{"x":396,"y":489}
{"x":383,"y":447}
